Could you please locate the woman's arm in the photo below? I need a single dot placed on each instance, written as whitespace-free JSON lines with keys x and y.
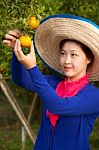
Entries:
{"x":19,"y":74}
{"x":86,"y":102}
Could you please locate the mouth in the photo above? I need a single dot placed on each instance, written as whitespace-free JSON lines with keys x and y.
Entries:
{"x":67,"y":68}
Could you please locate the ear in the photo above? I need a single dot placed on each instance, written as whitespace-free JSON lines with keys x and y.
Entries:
{"x":88,"y":61}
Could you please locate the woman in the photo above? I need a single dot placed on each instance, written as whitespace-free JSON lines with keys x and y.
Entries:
{"x":69,"y":45}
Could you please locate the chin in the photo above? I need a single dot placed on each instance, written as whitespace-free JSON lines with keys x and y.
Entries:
{"x":68,"y":74}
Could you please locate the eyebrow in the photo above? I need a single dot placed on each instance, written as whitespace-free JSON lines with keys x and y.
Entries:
{"x":70,"y":50}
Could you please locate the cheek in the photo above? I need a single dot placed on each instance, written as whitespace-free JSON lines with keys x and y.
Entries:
{"x":62,"y":61}
{"x":80,"y":64}
{"x":77,"y":63}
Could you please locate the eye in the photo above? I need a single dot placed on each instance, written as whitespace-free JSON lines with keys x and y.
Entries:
{"x":74,"y":55}
{"x":62,"y":53}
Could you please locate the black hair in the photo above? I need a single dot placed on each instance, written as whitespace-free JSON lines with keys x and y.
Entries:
{"x":85,"y":49}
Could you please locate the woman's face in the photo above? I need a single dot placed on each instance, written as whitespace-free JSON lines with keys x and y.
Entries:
{"x":73,"y":61}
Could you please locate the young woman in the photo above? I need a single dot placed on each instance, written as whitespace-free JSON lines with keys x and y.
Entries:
{"x":70,"y":46}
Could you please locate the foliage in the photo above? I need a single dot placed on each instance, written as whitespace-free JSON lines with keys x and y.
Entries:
{"x":14,"y":14}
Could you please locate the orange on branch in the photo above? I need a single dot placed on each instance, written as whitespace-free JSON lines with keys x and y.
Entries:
{"x":25,"y":41}
{"x":33,"y":22}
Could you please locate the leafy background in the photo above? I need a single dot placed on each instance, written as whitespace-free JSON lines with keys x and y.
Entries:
{"x":13,"y":15}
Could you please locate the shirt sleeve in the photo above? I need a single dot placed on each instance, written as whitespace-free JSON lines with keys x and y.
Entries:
{"x":21,"y":76}
{"x":86,"y":102}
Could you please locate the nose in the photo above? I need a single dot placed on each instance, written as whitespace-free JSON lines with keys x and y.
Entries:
{"x":67,"y":59}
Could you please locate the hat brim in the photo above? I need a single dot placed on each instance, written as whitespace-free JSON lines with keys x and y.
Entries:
{"x":55,"y":28}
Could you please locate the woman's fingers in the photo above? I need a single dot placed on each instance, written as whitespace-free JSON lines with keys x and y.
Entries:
{"x":15,"y":33}
{"x":6,"y":41}
{"x":10,"y":37}
{"x":28,"y":60}
{"x":18,"y":52}
{"x":9,"y":43}
{"x":32,"y":48}
{"x":9,"y":40}
{"x":16,"y":49}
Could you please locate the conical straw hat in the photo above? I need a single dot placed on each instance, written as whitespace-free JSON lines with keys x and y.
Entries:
{"x":56,"y":28}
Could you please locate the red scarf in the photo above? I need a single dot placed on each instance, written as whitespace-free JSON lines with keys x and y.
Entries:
{"x":67,"y":89}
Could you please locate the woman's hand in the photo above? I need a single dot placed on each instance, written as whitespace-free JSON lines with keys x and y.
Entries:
{"x":29,"y":60}
{"x":11,"y":36}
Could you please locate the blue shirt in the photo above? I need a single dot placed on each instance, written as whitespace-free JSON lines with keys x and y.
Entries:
{"x":77,"y":113}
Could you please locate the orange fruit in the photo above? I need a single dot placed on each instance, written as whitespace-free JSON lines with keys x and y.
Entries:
{"x":33,"y":22}
{"x":25,"y":41}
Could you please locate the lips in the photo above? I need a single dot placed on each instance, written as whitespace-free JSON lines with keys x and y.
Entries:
{"x":67,"y":68}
